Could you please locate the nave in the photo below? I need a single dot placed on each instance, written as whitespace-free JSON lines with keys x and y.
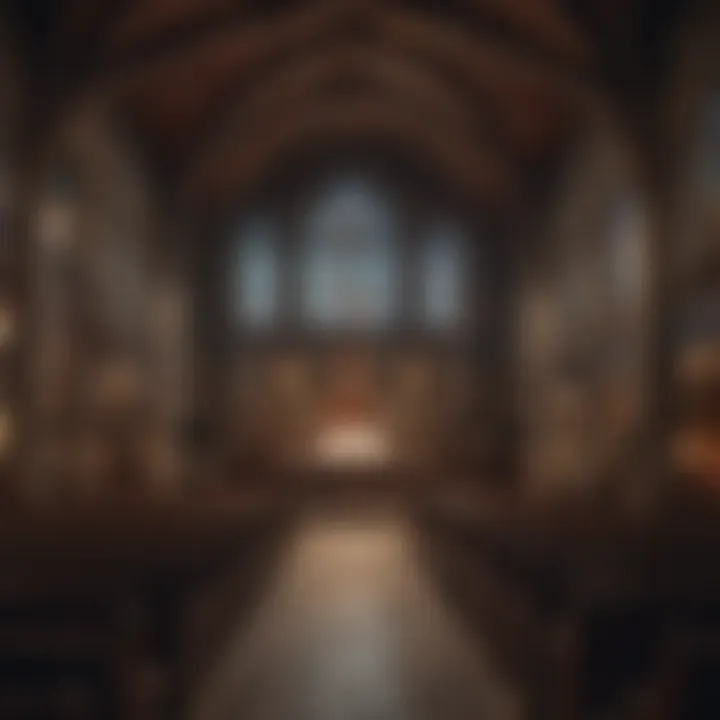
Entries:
{"x":359,"y":359}
{"x":464,"y":605}
{"x":353,"y":626}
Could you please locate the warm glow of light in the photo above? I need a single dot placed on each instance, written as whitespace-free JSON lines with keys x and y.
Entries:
{"x":353,"y":444}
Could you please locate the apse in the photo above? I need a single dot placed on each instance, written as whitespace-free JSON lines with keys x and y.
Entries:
{"x":350,"y":284}
{"x":337,"y":289}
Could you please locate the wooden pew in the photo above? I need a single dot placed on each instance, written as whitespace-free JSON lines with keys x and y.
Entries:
{"x":607,"y":590}
{"x":94,"y":599}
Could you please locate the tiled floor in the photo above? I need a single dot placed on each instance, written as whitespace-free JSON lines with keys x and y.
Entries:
{"x":353,"y":630}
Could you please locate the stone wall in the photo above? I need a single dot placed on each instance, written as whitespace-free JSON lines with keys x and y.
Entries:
{"x":691,"y":130}
{"x":102,"y":320}
{"x":583,"y":323}
{"x":9,"y":393}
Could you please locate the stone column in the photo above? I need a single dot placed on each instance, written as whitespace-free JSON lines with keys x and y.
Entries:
{"x":170,"y":337}
{"x":655,"y":169}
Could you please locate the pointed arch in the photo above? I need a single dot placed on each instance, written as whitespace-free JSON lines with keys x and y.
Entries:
{"x":349,"y":257}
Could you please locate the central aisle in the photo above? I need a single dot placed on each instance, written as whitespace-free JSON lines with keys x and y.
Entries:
{"x":353,"y":630}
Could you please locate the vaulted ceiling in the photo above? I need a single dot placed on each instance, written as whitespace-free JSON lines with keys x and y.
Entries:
{"x":221,"y":90}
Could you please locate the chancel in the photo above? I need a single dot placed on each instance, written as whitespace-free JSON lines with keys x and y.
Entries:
{"x":331,"y":286}
{"x":359,"y":360}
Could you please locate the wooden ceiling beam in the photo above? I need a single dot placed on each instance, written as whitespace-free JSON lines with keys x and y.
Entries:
{"x":180,"y":42}
{"x":491,"y":64}
{"x":107,"y":18}
{"x":340,"y":67}
{"x":490,"y":61}
{"x":149,"y":15}
{"x":468,"y":161}
{"x":541,"y":22}
{"x":94,"y":37}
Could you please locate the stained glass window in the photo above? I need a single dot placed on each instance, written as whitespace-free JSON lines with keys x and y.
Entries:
{"x":349,"y":268}
{"x":255,"y":275}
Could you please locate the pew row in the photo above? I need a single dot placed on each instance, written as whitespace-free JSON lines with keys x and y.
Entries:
{"x":103,"y":608}
{"x":616,"y":615}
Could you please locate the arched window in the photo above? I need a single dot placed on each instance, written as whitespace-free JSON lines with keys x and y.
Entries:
{"x":349,"y":260}
{"x":255,"y":275}
{"x":443,"y":282}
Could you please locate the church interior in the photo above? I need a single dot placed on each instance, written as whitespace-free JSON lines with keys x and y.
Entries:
{"x":360,"y":359}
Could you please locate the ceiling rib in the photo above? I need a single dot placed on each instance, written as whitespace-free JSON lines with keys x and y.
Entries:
{"x":504,"y":81}
{"x":540,"y":22}
{"x":182,"y":44}
{"x":340,"y":68}
{"x":489,"y":60}
{"x":472,"y":164}
{"x":491,"y":64}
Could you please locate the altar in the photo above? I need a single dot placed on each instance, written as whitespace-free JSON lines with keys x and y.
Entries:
{"x":352,"y":429}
